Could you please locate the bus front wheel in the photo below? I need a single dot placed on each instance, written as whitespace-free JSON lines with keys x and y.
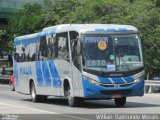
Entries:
{"x":72,"y":101}
{"x":120,"y":102}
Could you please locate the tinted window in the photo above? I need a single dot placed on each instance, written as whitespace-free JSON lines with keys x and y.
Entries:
{"x":43,"y":49}
{"x":47,"y":47}
{"x":63,"y":49}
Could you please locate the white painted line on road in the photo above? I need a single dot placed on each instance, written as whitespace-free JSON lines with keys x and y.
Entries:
{"x":47,"y":112}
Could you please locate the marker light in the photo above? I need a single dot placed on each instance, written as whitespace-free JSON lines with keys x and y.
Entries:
{"x":122,"y":29}
{"x":99,"y":29}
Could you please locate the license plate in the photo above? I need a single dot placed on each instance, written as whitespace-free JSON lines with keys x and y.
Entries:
{"x":116,"y":96}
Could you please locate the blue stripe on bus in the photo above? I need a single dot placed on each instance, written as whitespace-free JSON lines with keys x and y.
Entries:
{"x":99,"y":29}
{"x":116,"y":80}
{"x":56,"y":78}
{"x":129,"y":79}
{"x":25,"y":42}
{"x":47,"y":33}
{"x":54,"y":74}
{"x":46,"y":77}
{"x":39,"y":74}
{"x":105,"y":80}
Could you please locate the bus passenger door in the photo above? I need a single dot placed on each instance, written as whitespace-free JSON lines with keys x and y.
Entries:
{"x":76,"y":66}
{"x":64,"y":57}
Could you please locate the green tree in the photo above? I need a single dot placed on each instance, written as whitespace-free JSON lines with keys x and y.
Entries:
{"x":144,"y":14}
{"x":1,"y":33}
{"x":28,"y":20}
{"x":59,"y":11}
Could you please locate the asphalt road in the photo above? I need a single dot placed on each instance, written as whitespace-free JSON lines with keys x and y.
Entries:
{"x":18,"y":104}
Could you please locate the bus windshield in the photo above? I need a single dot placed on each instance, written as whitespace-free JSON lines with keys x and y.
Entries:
{"x":114,"y":53}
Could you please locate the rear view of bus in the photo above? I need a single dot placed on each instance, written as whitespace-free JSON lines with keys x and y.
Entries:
{"x":112,"y":63}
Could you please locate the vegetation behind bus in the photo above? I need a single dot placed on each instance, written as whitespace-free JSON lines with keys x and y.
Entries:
{"x":144,"y":14}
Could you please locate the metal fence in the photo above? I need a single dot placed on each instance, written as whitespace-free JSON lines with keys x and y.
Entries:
{"x":152,"y":86}
{"x":152,"y":82}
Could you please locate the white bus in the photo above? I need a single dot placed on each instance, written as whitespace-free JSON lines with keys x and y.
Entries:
{"x":80,"y":62}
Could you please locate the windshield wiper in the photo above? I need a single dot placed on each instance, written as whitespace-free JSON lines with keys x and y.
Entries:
{"x":121,"y":58}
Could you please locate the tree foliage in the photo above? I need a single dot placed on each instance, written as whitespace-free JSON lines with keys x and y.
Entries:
{"x":144,"y":14}
{"x":28,"y":20}
{"x":1,"y":33}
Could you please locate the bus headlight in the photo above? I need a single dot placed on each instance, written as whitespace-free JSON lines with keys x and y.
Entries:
{"x":93,"y":81}
{"x":90,"y":80}
{"x":137,"y":80}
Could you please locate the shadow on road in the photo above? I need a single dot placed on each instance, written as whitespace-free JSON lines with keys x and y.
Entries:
{"x":98,"y":104}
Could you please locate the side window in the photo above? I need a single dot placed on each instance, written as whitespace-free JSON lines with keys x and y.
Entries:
{"x":25,"y":51}
{"x":19,"y":52}
{"x":52,"y":46}
{"x":16,"y":55}
{"x":48,"y":48}
{"x":63,"y":49}
{"x":30,"y":51}
{"x":43,"y":50}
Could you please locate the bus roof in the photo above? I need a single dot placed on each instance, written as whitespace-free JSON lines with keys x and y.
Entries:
{"x":29,"y":36}
{"x":88,"y":27}
{"x":79,"y":28}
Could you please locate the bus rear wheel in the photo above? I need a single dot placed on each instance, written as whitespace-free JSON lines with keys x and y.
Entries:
{"x":35,"y":98}
{"x":120,"y":102}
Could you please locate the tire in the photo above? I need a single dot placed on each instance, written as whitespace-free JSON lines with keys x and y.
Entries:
{"x":75,"y":101}
{"x":72,"y":101}
{"x":35,"y":98}
{"x":120,"y":102}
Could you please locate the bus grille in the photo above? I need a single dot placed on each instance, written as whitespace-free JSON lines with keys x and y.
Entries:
{"x":115,"y":85}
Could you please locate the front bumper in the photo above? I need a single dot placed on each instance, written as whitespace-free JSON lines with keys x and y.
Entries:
{"x":96,"y":91}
